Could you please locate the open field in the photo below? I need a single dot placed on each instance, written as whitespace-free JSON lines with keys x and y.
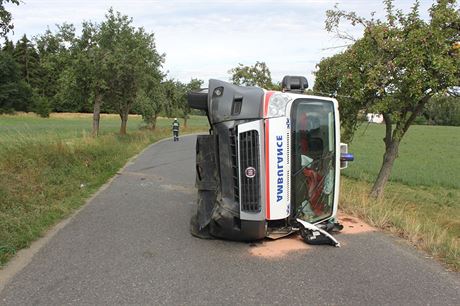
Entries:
{"x":69,"y":125}
{"x":422,"y":201}
{"x":48,"y":167}
{"x":428,"y":155}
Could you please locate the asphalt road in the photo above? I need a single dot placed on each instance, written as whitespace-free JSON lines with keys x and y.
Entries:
{"x":131,"y":245}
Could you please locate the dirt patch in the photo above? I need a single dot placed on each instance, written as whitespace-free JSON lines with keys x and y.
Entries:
{"x":274,"y":249}
{"x":352,"y":225}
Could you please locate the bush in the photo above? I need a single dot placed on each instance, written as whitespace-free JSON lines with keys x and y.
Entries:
{"x":42,"y":106}
{"x":420,"y":120}
{"x":444,"y":110}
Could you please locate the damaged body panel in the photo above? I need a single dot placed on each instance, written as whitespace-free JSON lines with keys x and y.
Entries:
{"x":269,"y":165}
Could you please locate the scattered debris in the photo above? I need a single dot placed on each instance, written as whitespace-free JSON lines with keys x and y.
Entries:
{"x":275,"y":249}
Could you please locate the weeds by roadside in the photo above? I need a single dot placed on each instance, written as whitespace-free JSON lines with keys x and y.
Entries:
{"x":426,"y":218}
{"x":42,"y":182}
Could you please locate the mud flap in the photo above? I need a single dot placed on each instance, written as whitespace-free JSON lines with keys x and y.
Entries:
{"x":312,"y":234}
{"x":206,"y":183}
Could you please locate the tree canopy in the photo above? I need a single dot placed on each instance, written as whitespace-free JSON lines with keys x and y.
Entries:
{"x":131,"y":60}
{"x":257,"y":75}
{"x":15,"y":93}
{"x":111,"y":66}
{"x":105,"y":68}
{"x":398,"y":65}
{"x":5,"y":17}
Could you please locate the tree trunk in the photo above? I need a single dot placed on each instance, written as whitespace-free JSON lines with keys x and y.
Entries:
{"x":392,"y":140}
{"x":96,"y":115}
{"x":185,"y":121}
{"x":153,"y":124}
{"x":124,"y":123}
{"x":27,"y":65}
{"x":391,"y":152}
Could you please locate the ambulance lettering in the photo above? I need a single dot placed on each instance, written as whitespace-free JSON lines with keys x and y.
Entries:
{"x":280,"y":170}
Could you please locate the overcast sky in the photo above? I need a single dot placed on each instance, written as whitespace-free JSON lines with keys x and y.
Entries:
{"x":205,"y":39}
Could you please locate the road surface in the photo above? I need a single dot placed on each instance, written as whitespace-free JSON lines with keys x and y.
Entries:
{"x":131,"y":245}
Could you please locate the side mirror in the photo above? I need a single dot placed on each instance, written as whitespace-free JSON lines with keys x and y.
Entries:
{"x":345,"y":157}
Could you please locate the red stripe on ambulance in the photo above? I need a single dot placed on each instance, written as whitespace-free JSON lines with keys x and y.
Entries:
{"x":268,"y":95}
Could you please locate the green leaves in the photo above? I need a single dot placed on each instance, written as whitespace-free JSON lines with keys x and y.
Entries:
{"x":176,"y":97}
{"x":394,"y":69}
{"x":257,"y":75}
{"x":127,"y":59}
{"x":15,"y":94}
{"x":5,"y":17}
{"x":398,"y":62}
{"x":27,"y":57}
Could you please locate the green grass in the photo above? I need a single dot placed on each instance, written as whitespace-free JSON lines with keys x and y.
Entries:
{"x":428,"y":156}
{"x":422,"y":200}
{"x":69,"y":126}
{"x":49,"y":167}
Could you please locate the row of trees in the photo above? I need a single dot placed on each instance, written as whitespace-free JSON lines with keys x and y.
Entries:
{"x":443,"y":110}
{"x":403,"y":67}
{"x":111,"y":67}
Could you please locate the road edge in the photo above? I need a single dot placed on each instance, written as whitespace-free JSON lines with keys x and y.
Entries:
{"x":24,"y":256}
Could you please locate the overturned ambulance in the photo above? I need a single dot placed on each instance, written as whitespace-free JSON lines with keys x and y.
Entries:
{"x":270,"y":165}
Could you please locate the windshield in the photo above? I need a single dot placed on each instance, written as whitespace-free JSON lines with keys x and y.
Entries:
{"x":313,"y":156}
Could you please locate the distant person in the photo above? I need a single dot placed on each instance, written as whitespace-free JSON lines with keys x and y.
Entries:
{"x":175,"y":129}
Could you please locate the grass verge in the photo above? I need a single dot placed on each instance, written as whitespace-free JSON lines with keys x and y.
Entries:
{"x":428,"y":156}
{"x":426,"y":216}
{"x":42,"y":182}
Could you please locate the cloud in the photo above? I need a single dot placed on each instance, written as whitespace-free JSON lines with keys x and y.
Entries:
{"x":205,"y":39}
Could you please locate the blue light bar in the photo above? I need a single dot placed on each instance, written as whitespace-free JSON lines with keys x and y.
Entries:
{"x":346,"y":157}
